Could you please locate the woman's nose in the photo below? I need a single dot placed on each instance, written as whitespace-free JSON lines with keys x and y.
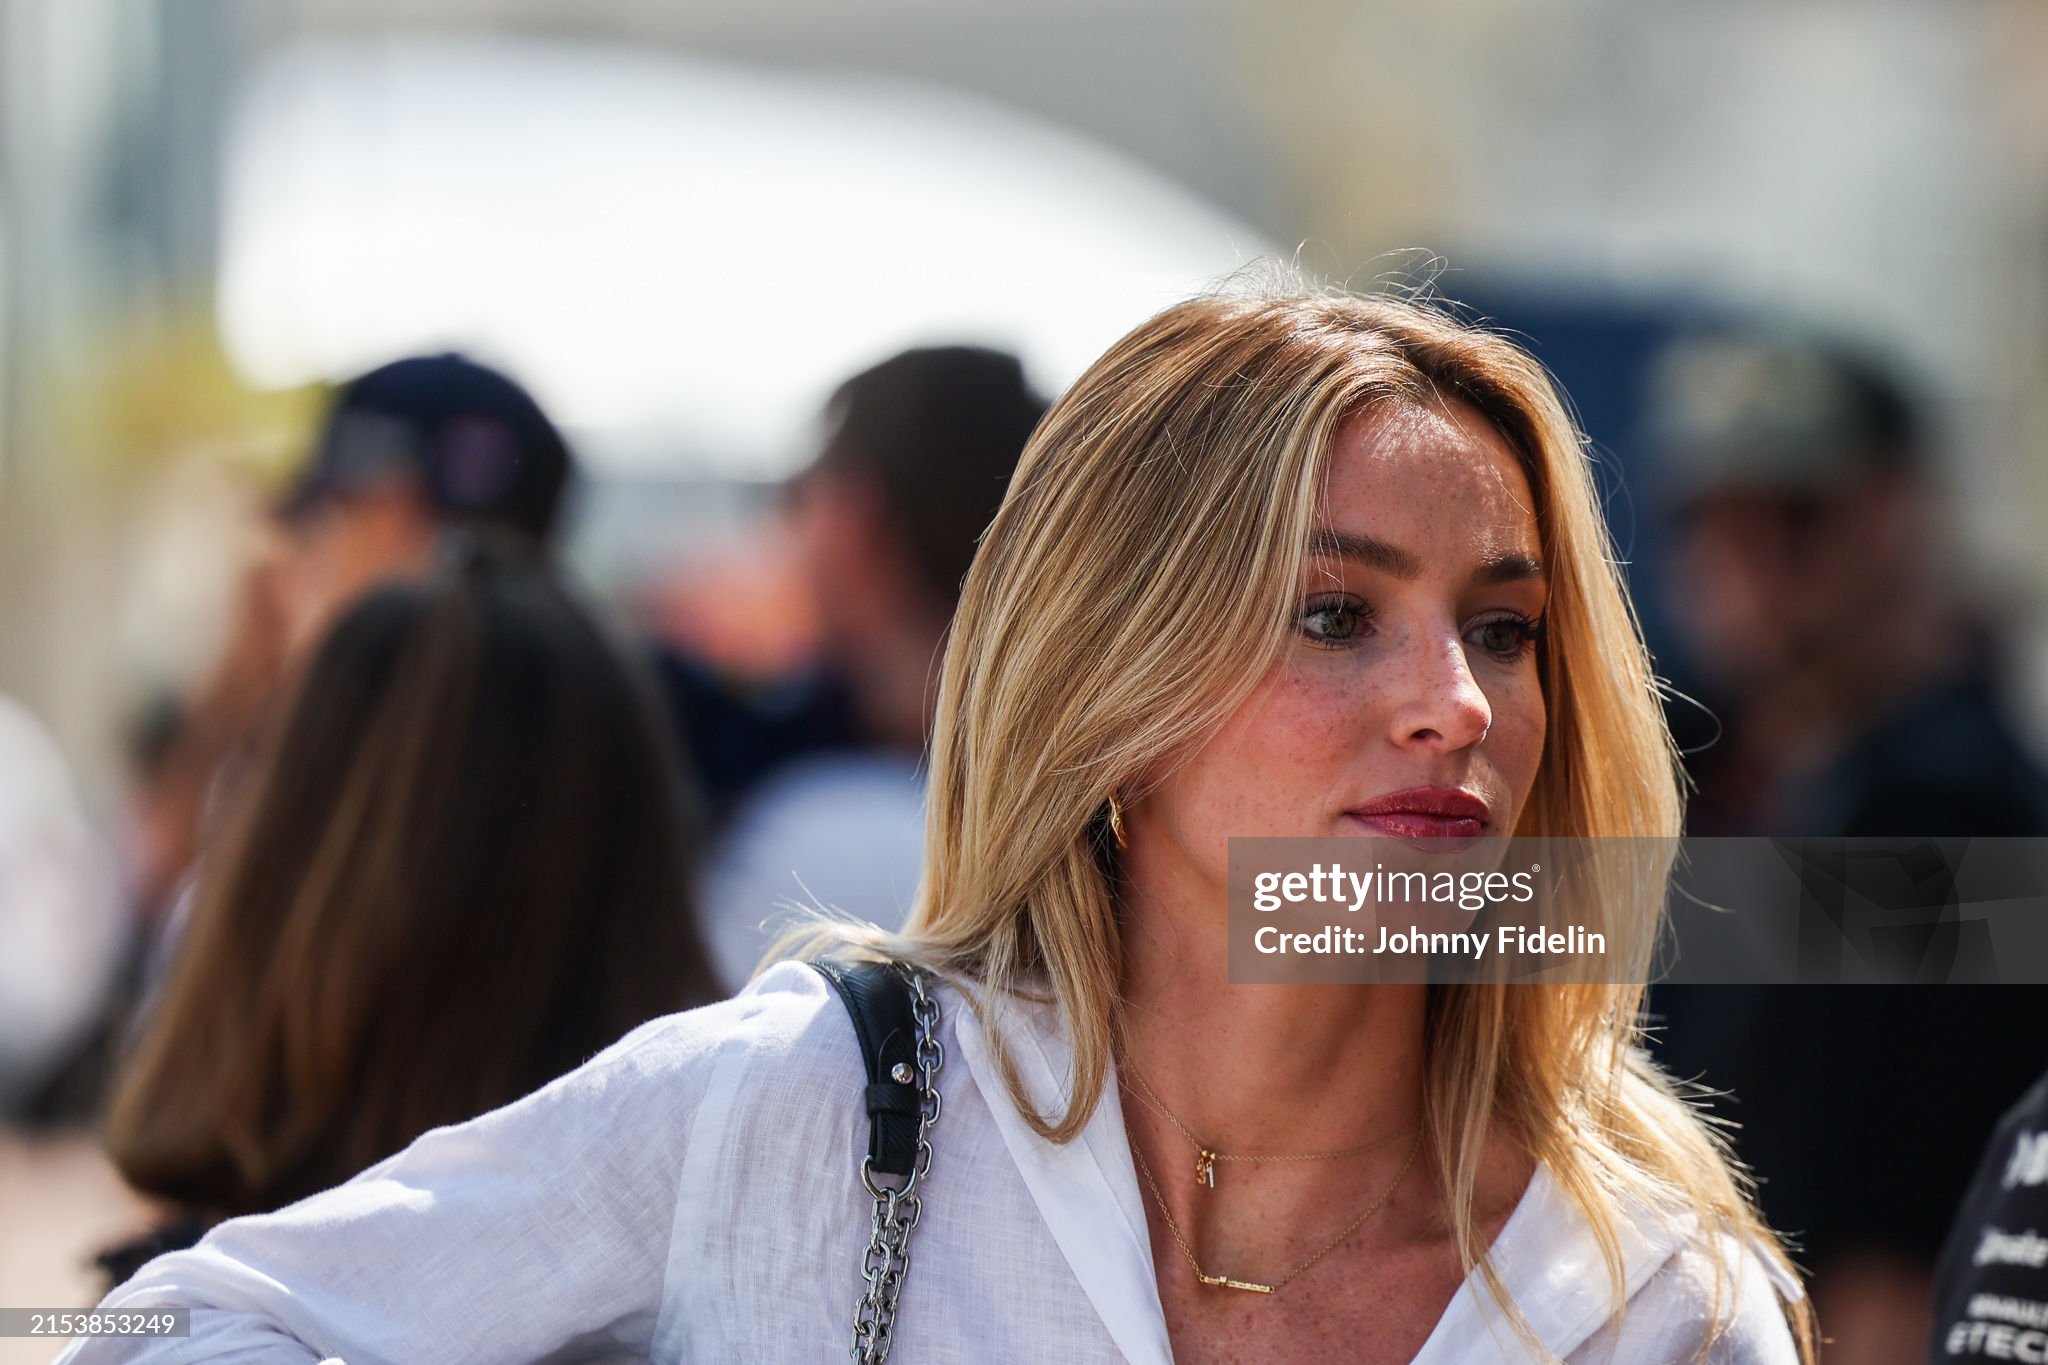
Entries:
{"x":1442,"y":704}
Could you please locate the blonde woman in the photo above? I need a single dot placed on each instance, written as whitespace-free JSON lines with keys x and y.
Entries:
{"x":1303,"y":564}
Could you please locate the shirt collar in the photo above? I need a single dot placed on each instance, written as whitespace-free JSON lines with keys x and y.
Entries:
{"x":1549,"y":1260}
{"x":1087,"y":1189}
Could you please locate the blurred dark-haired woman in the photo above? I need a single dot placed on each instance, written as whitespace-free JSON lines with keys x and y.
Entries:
{"x":463,"y":867}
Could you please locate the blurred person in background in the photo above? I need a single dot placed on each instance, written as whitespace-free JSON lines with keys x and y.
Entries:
{"x":1857,"y":683}
{"x":408,"y":450}
{"x":459,"y":867}
{"x":826,"y":798}
{"x":1991,"y":1286}
{"x":405,"y":451}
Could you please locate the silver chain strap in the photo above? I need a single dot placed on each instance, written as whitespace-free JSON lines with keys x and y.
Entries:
{"x":898,"y":1208}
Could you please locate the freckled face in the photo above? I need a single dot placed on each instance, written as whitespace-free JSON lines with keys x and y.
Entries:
{"x":1413,"y":661}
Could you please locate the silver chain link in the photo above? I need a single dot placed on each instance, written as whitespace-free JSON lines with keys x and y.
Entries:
{"x":898,"y":1207}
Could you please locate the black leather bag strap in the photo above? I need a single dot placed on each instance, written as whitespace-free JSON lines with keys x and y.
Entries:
{"x":879,"y":999}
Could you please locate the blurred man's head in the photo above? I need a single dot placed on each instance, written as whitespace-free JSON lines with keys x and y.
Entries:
{"x":407,"y":450}
{"x":1794,"y":471}
{"x":917,"y":454}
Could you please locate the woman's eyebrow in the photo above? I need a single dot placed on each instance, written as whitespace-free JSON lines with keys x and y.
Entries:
{"x":1390,"y":559}
{"x":1371,"y":551}
{"x":1511,"y":567}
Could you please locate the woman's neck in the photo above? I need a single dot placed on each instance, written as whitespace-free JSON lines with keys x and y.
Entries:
{"x":1264,"y":1068}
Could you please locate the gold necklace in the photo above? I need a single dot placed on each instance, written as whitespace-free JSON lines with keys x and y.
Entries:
{"x":1206,"y":1156}
{"x":1253,"y":1286}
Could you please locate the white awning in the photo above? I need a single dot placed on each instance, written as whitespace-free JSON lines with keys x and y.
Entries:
{"x":679,"y":257}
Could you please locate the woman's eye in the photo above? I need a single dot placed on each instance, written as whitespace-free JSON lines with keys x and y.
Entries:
{"x":1334,"y":622}
{"x":1509,"y":636}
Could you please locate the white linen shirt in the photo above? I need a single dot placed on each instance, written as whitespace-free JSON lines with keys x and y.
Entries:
{"x":690,"y":1194}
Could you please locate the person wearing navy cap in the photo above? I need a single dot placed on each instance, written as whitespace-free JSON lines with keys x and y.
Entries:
{"x":1860,"y":679}
{"x":407,"y":450}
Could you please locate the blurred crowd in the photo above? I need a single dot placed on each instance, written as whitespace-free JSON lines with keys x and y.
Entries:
{"x":438,"y":825}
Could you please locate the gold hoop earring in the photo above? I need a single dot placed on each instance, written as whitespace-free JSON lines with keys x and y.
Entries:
{"x":1116,"y":821}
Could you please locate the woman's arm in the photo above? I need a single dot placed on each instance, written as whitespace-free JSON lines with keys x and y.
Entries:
{"x":536,"y":1231}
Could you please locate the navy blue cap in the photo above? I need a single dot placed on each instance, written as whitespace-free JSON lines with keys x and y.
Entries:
{"x":480,"y":447}
{"x":1776,"y":411}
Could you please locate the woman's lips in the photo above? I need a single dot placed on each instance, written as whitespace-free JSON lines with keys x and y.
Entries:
{"x":1427,"y":813}
{"x":1416,"y":825}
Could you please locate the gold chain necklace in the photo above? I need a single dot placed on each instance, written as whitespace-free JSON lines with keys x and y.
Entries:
{"x":1253,"y":1286}
{"x":1206,"y":1156}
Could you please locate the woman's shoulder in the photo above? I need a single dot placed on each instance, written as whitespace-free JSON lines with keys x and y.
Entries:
{"x":672,"y":1064}
{"x":780,"y":1018}
{"x":785,"y":1031}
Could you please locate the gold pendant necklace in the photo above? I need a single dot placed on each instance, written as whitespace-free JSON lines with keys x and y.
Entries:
{"x":1253,"y":1286}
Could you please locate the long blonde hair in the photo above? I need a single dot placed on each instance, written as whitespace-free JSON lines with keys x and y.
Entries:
{"x":1178,"y":480}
